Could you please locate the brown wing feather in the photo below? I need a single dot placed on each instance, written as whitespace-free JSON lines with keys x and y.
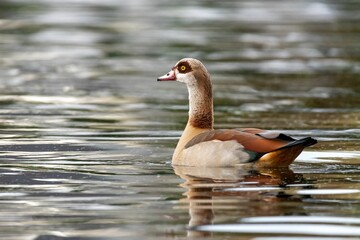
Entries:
{"x":252,"y":130}
{"x":249,"y":138}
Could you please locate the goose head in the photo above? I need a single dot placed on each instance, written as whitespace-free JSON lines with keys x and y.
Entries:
{"x":189,"y":71}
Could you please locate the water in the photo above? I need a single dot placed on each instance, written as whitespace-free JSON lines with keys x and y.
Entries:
{"x":87,"y":133}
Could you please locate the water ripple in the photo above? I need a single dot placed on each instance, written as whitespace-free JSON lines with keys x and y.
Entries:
{"x":298,"y":229}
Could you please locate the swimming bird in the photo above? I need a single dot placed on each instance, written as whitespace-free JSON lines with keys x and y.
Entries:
{"x":201,"y":145}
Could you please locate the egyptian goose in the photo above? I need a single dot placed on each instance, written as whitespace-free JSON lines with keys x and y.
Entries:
{"x":201,"y":145}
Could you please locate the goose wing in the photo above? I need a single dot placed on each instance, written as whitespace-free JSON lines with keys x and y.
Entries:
{"x":271,"y":148}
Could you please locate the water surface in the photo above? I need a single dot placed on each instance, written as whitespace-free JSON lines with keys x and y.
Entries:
{"x":87,"y":134}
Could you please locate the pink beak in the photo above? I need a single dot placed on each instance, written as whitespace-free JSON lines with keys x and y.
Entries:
{"x":170,"y":76}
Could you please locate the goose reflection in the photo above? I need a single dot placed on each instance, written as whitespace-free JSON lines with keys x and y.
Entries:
{"x":236,"y":191}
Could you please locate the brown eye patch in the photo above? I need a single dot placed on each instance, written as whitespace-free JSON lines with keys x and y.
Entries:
{"x":184,"y":67}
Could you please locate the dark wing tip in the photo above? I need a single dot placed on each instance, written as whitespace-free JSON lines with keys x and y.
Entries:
{"x":309,"y":141}
{"x":306,"y":142}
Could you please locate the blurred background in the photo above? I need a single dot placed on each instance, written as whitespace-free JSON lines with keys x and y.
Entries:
{"x":87,"y":134}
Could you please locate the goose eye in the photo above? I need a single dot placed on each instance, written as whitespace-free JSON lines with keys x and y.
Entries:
{"x":184,"y":67}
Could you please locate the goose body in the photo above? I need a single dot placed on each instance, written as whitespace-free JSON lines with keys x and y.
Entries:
{"x":201,"y":145}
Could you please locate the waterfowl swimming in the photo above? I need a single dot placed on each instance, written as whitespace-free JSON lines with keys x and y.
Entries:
{"x":201,"y":145}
